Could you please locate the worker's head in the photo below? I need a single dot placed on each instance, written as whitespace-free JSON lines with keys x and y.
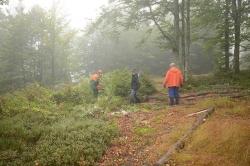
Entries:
{"x":172,"y":65}
{"x":134,"y":70}
{"x":99,"y":71}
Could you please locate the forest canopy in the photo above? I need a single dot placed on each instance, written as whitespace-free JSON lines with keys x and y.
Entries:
{"x":202,"y":36}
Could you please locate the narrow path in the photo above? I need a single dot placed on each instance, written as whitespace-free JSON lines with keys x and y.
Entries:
{"x":146,"y":134}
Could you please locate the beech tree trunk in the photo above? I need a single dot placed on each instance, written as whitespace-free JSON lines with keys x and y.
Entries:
{"x":237,"y":22}
{"x":188,"y":40}
{"x":177,"y":28}
{"x":53,"y":38}
{"x":226,"y":33}
{"x":183,"y":44}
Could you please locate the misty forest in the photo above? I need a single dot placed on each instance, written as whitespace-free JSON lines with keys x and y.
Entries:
{"x":141,"y":83}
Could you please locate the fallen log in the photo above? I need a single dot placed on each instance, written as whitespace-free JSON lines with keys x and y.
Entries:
{"x":196,"y":113}
{"x":209,"y":93}
{"x":196,"y":94}
{"x":181,"y":142}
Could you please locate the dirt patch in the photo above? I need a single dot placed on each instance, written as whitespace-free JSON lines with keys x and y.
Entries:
{"x":144,"y":136}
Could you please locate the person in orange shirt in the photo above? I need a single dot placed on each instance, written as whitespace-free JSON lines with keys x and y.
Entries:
{"x":173,"y":81}
{"x":95,"y":82}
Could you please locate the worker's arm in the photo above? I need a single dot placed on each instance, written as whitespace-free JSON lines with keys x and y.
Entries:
{"x":165,"y":80}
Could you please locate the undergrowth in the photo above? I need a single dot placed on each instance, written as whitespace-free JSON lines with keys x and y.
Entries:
{"x":67,"y":126}
{"x":226,"y":79}
{"x":223,"y":139}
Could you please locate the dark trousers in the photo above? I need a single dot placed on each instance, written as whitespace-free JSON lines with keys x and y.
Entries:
{"x":173,"y":93}
{"x":133,"y":97}
{"x":93,"y":86}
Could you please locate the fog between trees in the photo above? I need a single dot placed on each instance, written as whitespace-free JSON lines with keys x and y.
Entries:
{"x":40,"y":46}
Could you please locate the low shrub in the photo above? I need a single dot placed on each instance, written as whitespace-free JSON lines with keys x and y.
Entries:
{"x":32,"y":98}
{"x":146,"y":86}
{"x":118,"y":83}
{"x":62,"y":127}
{"x":65,"y":139}
{"x":70,"y":142}
{"x":78,"y":94}
{"x":111,"y":103}
{"x":38,"y":128}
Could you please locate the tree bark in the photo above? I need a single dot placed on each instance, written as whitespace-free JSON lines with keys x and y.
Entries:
{"x":53,"y":38}
{"x":183,"y":44}
{"x":188,"y":40}
{"x":164,"y":34}
{"x":177,"y":28}
{"x":237,"y":23}
{"x":226,"y":33}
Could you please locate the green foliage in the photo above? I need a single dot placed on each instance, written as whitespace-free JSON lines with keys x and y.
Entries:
{"x":222,"y":78}
{"x":79,"y":94}
{"x":142,"y":131}
{"x":28,"y":42}
{"x":111,"y":103}
{"x":146,"y":86}
{"x":118,"y":82}
{"x":53,"y":140}
{"x":31,"y":98}
{"x":63,"y":127}
{"x":72,"y":140}
{"x":34,"y":129}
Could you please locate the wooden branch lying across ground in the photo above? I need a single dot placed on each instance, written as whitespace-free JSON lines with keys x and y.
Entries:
{"x":207,"y":93}
{"x":196,"y":113}
{"x":230,"y":94}
{"x":181,"y":142}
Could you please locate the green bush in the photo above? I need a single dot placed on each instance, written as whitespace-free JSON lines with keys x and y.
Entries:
{"x":78,"y":94}
{"x":32,"y":98}
{"x":34,"y":129}
{"x":146,"y":86}
{"x":221,"y":78}
{"x":111,"y":103}
{"x":69,"y":142}
{"x":118,"y":83}
{"x":63,"y":127}
{"x":64,"y":139}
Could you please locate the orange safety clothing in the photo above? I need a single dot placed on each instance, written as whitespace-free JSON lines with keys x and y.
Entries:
{"x":173,"y":78}
{"x":94,"y":77}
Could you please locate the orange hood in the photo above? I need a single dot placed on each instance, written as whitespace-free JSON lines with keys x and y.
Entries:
{"x":173,"y":78}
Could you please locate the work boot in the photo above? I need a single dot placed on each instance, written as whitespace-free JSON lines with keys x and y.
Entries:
{"x":171,"y":101}
{"x":177,"y":100}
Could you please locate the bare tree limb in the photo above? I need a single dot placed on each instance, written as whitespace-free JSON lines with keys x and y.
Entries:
{"x":181,"y":142}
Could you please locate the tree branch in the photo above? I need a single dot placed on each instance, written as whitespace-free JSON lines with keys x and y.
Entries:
{"x":167,"y":37}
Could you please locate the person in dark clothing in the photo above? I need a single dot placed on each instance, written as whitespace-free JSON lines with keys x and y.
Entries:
{"x":94,"y":82}
{"x":135,"y":85}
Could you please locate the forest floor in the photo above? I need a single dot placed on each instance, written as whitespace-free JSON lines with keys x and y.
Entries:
{"x":146,"y":134}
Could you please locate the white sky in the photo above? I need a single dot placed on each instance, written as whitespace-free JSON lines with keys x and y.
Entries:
{"x":80,"y":12}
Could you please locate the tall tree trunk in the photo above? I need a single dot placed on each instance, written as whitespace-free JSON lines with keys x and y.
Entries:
{"x":237,"y":21}
{"x":183,"y":44}
{"x":53,"y":36}
{"x":188,"y":40}
{"x":226,"y":33}
{"x":40,"y":68}
{"x":177,"y":29}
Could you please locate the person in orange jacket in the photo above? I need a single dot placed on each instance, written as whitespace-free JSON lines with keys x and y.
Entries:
{"x":95,"y":82}
{"x":173,"y":81}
